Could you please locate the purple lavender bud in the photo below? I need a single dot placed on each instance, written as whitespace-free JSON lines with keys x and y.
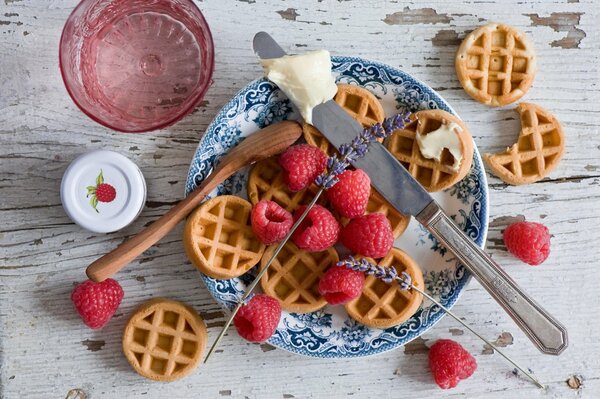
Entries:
{"x":404,"y":281}
{"x":345,"y":149}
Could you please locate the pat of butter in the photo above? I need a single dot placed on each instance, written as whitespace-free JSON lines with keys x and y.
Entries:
{"x":433,"y":143}
{"x":305,"y":78}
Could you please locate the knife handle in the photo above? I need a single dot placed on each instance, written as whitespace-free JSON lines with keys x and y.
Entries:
{"x":545,"y":331}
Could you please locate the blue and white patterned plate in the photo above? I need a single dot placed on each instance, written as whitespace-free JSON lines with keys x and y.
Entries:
{"x":330,"y":332}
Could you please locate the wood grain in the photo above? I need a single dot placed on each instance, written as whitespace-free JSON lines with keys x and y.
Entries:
{"x":46,"y":350}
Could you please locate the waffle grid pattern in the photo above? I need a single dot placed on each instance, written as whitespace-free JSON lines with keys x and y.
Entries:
{"x":294,"y":277}
{"x":497,"y":67}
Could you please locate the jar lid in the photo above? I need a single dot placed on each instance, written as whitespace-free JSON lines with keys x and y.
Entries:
{"x":103,"y":191}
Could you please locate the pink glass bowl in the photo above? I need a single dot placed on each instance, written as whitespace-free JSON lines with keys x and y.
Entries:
{"x":136,"y":65}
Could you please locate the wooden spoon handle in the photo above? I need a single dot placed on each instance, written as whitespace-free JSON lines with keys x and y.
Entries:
{"x":112,"y":262}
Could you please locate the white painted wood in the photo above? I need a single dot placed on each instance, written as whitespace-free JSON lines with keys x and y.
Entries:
{"x":46,"y":350}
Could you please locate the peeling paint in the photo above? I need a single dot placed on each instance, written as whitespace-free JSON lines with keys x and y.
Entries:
{"x":591,"y":168}
{"x":398,"y":371}
{"x":456,"y":332}
{"x":561,"y":22}
{"x":288,"y":396}
{"x":445,"y":38}
{"x":93,"y":345}
{"x":416,"y":16}
{"x":290,"y":14}
{"x":575,"y":381}
{"x":225,"y":392}
{"x":504,"y":221}
{"x":416,"y":346}
{"x":267,"y":347}
{"x":505,"y":339}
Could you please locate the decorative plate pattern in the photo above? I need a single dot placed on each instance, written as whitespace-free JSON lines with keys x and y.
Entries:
{"x":330,"y":332}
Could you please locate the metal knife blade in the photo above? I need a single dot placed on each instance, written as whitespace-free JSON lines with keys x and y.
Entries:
{"x":403,"y":192}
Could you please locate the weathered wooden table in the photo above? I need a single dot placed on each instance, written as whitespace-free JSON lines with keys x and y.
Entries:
{"x":45,"y":348}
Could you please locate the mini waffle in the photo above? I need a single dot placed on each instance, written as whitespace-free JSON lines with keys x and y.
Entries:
{"x":432,"y":175}
{"x":293,"y":277}
{"x":218,"y":238}
{"x":266,"y":183}
{"x":383,"y":305}
{"x":539,"y":149}
{"x":496,"y":64}
{"x":398,"y":221}
{"x":164,"y":340}
{"x":360,"y":103}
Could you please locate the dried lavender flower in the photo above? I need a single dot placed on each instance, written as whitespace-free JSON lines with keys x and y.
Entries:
{"x":385,"y":274}
{"x":338,"y":163}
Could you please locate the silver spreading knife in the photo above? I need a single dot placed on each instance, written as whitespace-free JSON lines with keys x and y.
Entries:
{"x":401,"y":190}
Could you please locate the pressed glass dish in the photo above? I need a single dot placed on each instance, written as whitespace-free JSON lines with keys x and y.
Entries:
{"x":136,"y":65}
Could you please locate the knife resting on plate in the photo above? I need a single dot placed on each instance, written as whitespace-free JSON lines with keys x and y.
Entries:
{"x":405,"y":194}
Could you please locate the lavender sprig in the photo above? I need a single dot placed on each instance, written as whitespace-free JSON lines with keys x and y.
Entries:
{"x":348,"y":153}
{"x":386,"y":274}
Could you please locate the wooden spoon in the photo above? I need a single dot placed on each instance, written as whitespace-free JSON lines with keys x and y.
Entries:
{"x":269,"y":141}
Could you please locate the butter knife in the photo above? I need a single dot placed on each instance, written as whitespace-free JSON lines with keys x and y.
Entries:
{"x":405,"y":194}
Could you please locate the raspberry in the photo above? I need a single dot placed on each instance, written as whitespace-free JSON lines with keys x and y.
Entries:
{"x":97,"y":302}
{"x":450,"y":363}
{"x":301,"y":164}
{"x":528,"y":241}
{"x":318,"y":231}
{"x":270,"y":222}
{"x":257,"y":320}
{"x":369,"y":235}
{"x":350,"y":195}
{"x":105,"y":192}
{"x":340,"y":285}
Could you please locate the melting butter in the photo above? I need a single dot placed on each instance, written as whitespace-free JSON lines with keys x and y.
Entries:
{"x":305,"y":78}
{"x":433,"y":143}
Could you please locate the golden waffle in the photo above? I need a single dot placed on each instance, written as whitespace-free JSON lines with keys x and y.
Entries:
{"x":218,"y":238}
{"x":433,"y":175}
{"x":266,"y":183}
{"x":360,"y":103}
{"x":398,"y":221}
{"x":293,"y":277}
{"x":383,"y":305}
{"x":496,"y":64}
{"x":539,"y":149}
{"x":164,"y":340}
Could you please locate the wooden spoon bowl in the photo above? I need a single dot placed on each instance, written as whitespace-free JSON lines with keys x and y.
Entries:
{"x":269,"y":141}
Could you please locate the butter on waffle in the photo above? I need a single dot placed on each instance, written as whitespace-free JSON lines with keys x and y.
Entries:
{"x":164,"y":340}
{"x":360,"y":103}
{"x":383,"y":305}
{"x":496,"y":64}
{"x":266,"y":183}
{"x":539,"y":149}
{"x":432,"y":175}
{"x":218,"y":238}
{"x":293,"y":277}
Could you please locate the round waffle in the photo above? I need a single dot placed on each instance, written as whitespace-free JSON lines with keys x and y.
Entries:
{"x":266,"y":183}
{"x":432,"y":175}
{"x":164,"y":340}
{"x":379,"y":204}
{"x":496,"y":64}
{"x":293,"y":277}
{"x":539,"y":149}
{"x":218,"y":238}
{"x":360,"y":103}
{"x":383,"y":305}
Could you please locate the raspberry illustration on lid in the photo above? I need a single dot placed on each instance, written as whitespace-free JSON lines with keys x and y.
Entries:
{"x":101,"y":192}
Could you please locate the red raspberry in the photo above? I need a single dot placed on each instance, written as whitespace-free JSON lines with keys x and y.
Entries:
{"x":369,"y":235}
{"x":340,"y":285}
{"x":450,"y":363}
{"x":257,"y":320}
{"x":105,"y":192}
{"x":270,"y":222}
{"x":97,"y":302}
{"x":318,"y":231}
{"x":301,"y":164}
{"x":350,"y":194}
{"x":528,"y":241}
